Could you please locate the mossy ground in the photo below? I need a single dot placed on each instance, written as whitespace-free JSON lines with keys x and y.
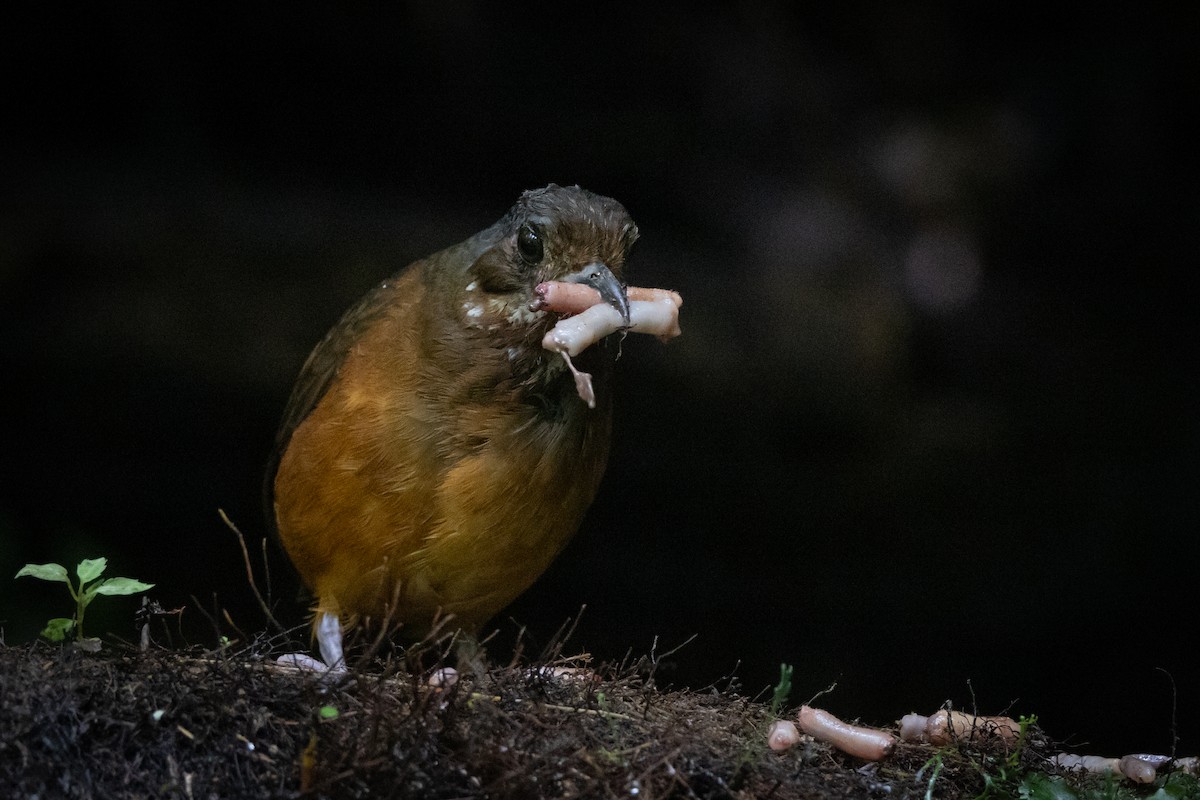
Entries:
{"x":165,"y":723}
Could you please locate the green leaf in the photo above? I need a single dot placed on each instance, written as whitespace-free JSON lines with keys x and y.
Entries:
{"x":122,"y":586}
{"x":328,"y":712}
{"x":58,"y":629}
{"x":782,"y":689}
{"x":46,"y":572}
{"x":1042,"y":787}
{"x":90,"y":568}
{"x":1179,"y":786}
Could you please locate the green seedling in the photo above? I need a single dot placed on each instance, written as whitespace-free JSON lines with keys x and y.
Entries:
{"x":782,"y":689}
{"x":936,"y":763}
{"x":88,"y":571}
{"x":1026,"y":722}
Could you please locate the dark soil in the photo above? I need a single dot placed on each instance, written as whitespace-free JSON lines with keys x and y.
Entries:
{"x":170,"y":724}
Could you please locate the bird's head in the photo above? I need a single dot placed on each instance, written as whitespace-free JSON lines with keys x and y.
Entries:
{"x":552,"y":234}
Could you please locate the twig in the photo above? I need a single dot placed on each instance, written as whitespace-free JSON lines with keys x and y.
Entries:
{"x":266,"y":564}
{"x":596,"y":712}
{"x":565,"y":631}
{"x":234,"y":625}
{"x":210,"y":617}
{"x":266,"y":609}
{"x":655,"y":659}
{"x":1174,"y":710}
{"x":824,"y":691}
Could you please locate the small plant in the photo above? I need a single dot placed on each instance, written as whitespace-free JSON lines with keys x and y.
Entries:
{"x":1026,"y":722}
{"x":936,"y":763}
{"x":88,"y":571}
{"x":782,"y":689}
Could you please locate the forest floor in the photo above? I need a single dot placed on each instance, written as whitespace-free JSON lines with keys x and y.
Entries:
{"x":160,"y":723}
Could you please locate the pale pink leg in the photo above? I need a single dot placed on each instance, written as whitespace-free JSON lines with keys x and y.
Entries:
{"x":329,"y":639}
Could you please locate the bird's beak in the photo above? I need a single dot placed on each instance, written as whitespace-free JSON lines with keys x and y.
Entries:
{"x":601,"y":278}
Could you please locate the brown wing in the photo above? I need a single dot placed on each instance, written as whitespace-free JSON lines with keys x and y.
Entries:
{"x":317,"y":375}
{"x":321,"y":368}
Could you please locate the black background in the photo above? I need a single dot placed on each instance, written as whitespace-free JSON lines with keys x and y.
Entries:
{"x":929,"y":432}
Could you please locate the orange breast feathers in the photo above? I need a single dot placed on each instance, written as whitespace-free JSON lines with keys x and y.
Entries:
{"x":438,"y":450}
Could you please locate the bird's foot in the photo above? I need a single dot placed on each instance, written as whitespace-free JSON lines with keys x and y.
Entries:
{"x":329,"y":641}
{"x":302,"y":661}
{"x":470,"y":657}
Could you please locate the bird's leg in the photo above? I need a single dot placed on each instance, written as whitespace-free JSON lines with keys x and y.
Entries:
{"x":329,"y":640}
{"x":470,"y":657}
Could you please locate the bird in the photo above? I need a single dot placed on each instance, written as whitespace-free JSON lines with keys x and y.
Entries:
{"x":433,"y":457}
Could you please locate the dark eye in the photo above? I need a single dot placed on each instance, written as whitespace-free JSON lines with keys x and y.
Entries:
{"x":529,"y":243}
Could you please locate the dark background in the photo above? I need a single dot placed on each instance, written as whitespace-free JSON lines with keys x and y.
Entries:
{"x":928,"y":432}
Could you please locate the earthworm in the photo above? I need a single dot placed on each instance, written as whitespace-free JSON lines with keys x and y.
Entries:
{"x":948,"y":726}
{"x":870,"y":744}
{"x":571,"y":298}
{"x":1138,"y":769}
{"x":782,"y":734}
{"x":912,"y":728}
{"x":574,"y":334}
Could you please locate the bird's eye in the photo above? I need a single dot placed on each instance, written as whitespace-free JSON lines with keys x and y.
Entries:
{"x":529,"y":243}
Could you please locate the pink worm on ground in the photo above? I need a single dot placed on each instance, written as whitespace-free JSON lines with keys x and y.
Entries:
{"x":870,"y":744}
